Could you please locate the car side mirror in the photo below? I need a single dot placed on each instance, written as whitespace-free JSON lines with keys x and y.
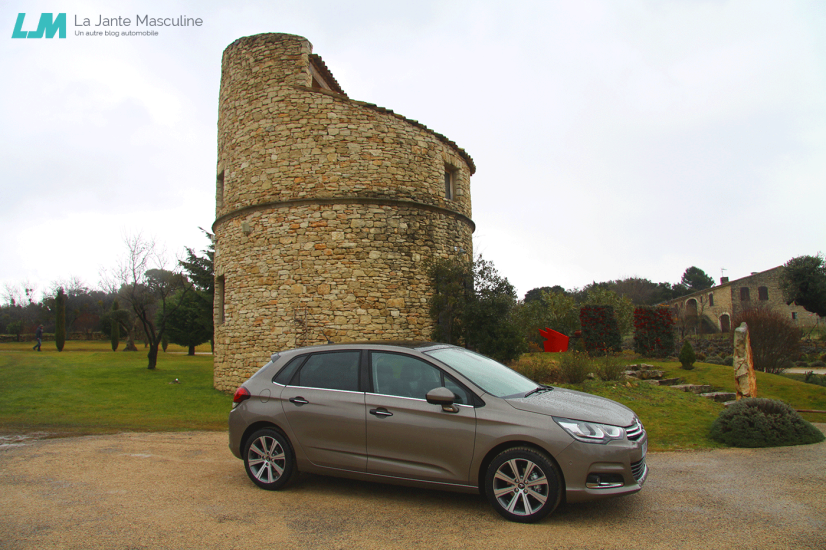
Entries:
{"x":444,"y":397}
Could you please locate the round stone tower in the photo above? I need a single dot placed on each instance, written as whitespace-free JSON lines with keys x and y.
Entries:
{"x":327,"y":210}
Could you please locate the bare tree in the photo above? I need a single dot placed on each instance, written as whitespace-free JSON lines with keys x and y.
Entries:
{"x":146,"y":287}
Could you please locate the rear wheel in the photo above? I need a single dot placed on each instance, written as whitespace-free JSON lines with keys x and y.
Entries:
{"x":523,"y":484}
{"x":269,"y":459}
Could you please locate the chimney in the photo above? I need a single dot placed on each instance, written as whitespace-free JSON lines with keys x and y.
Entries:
{"x":723,"y":280}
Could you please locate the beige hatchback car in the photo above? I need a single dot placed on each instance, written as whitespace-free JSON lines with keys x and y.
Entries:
{"x":436,"y":416}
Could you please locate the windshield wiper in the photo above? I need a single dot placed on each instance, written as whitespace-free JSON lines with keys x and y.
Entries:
{"x":539,"y":389}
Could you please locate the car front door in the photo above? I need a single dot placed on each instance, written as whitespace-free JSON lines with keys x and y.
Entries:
{"x":408,"y":437}
{"x":325,"y":410}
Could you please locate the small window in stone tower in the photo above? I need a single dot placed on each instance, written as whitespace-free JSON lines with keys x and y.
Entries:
{"x":219,"y":194}
{"x":744,"y":294}
{"x":449,"y":190}
{"x":762,"y":293}
{"x":711,"y":300}
{"x":219,"y":297}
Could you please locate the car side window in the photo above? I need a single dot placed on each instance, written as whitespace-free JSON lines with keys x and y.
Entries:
{"x":404,"y":376}
{"x":286,"y":374}
{"x":338,"y":370}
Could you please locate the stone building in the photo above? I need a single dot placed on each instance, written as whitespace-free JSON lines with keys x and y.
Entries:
{"x":327,"y":210}
{"x":716,"y":307}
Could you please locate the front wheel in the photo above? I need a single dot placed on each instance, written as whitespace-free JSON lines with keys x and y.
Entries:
{"x":269,"y":459}
{"x":523,"y":485}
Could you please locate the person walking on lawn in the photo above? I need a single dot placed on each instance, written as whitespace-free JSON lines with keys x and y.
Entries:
{"x":39,"y":336}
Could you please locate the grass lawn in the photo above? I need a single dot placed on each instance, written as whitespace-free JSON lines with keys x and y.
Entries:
{"x":681,"y":420}
{"x":88,"y":389}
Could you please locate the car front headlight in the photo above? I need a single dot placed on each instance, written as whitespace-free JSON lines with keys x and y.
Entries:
{"x":590,"y":432}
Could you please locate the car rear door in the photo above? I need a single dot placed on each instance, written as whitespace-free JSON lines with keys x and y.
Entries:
{"x":325,"y":410}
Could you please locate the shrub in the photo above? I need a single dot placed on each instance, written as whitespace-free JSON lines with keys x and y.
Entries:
{"x":610,"y":368}
{"x":687,"y":356}
{"x":539,"y":367}
{"x":599,"y":329}
{"x":701,"y":357}
{"x":756,"y":422}
{"x":653,"y":331}
{"x":715,"y":360}
{"x":774,"y":338}
{"x":574,"y":367}
{"x":729,"y":360}
{"x":818,"y":364}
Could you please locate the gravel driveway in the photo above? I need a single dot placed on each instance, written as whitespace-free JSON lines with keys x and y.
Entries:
{"x":185,"y":490}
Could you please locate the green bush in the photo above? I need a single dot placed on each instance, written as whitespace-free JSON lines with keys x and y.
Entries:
{"x":539,"y":367}
{"x":687,"y":356}
{"x":600,"y":330}
{"x":729,"y":361}
{"x":610,"y":368}
{"x":574,"y":367}
{"x":653,"y":331}
{"x":756,"y":422}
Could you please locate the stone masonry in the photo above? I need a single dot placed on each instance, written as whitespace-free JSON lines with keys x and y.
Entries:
{"x":719,"y":305}
{"x":327,"y":210}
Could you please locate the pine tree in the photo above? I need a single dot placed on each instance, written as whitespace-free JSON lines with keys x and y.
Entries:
{"x":687,"y":356}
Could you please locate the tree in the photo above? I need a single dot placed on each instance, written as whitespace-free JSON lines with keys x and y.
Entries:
{"x":451,"y":280}
{"x":488,"y":321}
{"x":535,"y":294}
{"x":114,"y":331}
{"x":554,"y":310}
{"x":472,"y":305}
{"x":804,"y":282}
{"x":695,"y":279}
{"x":148,"y":288}
{"x":687,"y":356}
{"x":623,"y":307}
{"x":201,"y":272}
{"x":775,"y":339}
{"x":60,"y":319}
{"x":185,"y":325}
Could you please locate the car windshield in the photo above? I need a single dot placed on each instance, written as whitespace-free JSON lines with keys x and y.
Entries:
{"x":493,"y":377}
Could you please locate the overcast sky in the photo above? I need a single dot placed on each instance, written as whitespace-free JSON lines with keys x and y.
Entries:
{"x":612,"y":139}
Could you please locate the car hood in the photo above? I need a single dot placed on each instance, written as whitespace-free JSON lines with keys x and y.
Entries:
{"x":575,"y":405}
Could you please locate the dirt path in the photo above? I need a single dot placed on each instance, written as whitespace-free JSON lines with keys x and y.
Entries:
{"x":185,"y":490}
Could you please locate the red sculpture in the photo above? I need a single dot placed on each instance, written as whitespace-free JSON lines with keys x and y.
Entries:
{"x":555,"y":341}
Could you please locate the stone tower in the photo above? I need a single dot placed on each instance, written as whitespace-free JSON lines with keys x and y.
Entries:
{"x":327,"y":210}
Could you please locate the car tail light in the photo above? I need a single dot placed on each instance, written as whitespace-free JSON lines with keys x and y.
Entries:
{"x":241,"y":394}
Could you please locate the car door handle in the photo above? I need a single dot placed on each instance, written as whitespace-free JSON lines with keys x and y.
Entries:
{"x":298,"y":401}
{"x":380,"y":412}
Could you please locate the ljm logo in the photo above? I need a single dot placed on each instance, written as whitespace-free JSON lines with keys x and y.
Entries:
{"x":48,"y":25}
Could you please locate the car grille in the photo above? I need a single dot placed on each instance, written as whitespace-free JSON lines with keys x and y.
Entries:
{"x":638,"y":469}
{"x":635,"y":430}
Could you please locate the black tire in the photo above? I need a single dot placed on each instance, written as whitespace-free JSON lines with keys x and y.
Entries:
{"x":523,"y":484}
{"x":269,"y":459}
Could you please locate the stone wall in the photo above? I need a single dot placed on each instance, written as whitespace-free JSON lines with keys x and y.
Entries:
{"x":327,"y":210}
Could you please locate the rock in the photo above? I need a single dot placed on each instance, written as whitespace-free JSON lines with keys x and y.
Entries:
{"x":744,"y":378}
{"x":719,"y":396}
{"x":694,"y":388}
